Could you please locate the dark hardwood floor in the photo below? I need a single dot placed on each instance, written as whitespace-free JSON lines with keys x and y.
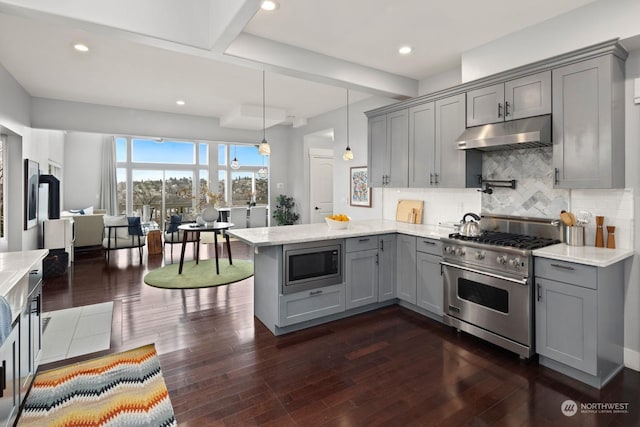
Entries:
{"x":386,"y":367}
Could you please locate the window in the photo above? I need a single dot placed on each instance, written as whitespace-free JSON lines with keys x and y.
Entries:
{"x":176,"y":177}
{"x":2,"y":213}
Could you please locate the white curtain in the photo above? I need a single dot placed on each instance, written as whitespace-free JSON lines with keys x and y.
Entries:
{"x":109,"y":181}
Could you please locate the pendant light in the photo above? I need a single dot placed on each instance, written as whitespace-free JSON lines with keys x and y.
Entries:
{"x":262,"y":172}
{"x":348,"y":154}
{"x":235,"y":164}
{"x":263,"y":148}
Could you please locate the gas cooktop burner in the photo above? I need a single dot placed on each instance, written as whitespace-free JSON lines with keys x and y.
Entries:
{"x":497,"y":238}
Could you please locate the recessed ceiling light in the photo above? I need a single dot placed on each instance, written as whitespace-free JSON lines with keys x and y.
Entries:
{"x":180,"y":102}
{"x":405,"y":50}
{"x":80,"y":47}
{"x":270,"y":5}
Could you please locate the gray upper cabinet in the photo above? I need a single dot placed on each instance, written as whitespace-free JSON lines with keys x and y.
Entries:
{"x":454,"y":168}
{"x":588,"y":124}
{"x":389,"y":149}
{"x":516,"y":99}
{"x":422,"y":145}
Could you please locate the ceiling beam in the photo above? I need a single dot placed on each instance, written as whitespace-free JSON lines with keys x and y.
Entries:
{"x":228,"y":19}
{"x":305,"y":64}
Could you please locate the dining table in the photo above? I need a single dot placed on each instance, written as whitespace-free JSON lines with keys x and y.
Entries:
{"x":214,"y":227}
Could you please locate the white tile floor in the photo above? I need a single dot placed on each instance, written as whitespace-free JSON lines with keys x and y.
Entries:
{"x":75,"y":331}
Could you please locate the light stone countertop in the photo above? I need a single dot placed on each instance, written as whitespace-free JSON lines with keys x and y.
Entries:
{"x":14,"y":266}
{"x":272,"y":236}
{"x":588,"y":255}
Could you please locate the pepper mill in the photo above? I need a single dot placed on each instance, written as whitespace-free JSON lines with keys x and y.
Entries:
{"x":599,"y":232}
{"x":611,"y":237}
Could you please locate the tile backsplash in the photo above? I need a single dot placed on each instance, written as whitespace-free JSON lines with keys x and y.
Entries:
{"x":534,"y":195}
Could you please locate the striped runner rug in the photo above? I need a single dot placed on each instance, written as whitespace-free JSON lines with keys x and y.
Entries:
{"x":123,"y":389}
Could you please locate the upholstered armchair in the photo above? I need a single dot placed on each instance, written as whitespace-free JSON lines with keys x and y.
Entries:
{"x":173,"y":236}
{"x":121,"y":232}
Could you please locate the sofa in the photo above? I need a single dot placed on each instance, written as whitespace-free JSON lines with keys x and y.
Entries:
{"x":88,"y":227}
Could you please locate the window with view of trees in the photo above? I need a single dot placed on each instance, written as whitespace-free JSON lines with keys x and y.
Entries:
{"x":175,"y":176}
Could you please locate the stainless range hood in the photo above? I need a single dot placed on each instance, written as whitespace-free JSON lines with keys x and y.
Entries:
{"x":523,"y":133}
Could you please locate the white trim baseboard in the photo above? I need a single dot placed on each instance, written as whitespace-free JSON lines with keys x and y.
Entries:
{"x":632,"y":359}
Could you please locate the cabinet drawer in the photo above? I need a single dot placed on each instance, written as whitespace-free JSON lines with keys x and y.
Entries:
{"x":430,"y":246}
{"x":567,"y":272}
{"x":363,"y":243}
{"x":308,"y":305}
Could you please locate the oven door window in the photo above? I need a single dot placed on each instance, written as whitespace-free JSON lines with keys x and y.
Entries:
{"x":315,"y":264}
{"x":487,"y":296}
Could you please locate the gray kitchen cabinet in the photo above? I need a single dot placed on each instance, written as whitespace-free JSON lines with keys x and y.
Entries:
{"x":422,"y":145}
{"x":361,"y":269}
{"x":387,"y":252}
{"x":406,"y":269}
{"x":588,"y":124}
{"x":454,"y":168}
{"x":526,"y":96}
{"x":429,"y":275}
{"x":308,"y":305}
{"x":579,"y":319}
{"x":388,"y":151}
{"x":9,"y":377}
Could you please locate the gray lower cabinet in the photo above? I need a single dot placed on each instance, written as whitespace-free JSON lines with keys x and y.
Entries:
{"x":588,"y":124}
{"x":406,"y":269}
{"x":389,"y":149}
{"x":361,"y":278}
{"x":579,"y":319}
{"x":309,"y":305}
{"x":387,"y":251}
{"x":526,"y":96}
{"x":9,"y":377}
{"x":429,"y":276}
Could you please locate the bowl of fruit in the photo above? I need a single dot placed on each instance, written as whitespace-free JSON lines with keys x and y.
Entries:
{"x":338,"y":222}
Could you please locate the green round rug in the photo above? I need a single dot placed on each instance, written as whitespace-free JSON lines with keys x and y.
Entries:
{"x":201,"y":275}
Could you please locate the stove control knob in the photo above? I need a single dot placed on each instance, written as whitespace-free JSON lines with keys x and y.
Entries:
{"x":515,"y":262}
{"x":501,"y":260}
{"x":459,"y":251}
{"x":480,"y":255}
{"x":448,"y":250}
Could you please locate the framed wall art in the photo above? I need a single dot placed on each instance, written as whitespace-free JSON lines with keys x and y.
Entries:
{"x":31,"y":184}
{"x":360,"y":194}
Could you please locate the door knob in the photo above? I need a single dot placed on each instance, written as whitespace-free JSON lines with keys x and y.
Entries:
{"x":317,"y":208}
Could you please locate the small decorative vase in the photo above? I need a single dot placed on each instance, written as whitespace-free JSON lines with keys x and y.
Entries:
{"x":611,"y":237}
{"x":599,"y":232}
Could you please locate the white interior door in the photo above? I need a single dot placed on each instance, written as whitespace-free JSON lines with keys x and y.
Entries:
{"x":320,"y":187}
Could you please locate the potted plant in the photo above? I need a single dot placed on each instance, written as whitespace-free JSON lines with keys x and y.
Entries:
{"x":283,"y":213}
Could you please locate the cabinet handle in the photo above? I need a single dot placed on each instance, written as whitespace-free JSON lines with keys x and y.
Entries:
{"x":539,"y":297}
{"x":564,"y":267}
{"x":377,"y":259}
{"x":430,"y":179}
{"x":364,"y":240}
{"x":429,"y":242}
{"x":318,"y":292}
{"x":499,"y":110}
{"x":3,"y":378}
{"x":436,"y":177}
{"x":506,"y":108}
{"x":556,"y":176}
{"x":382,"y":245}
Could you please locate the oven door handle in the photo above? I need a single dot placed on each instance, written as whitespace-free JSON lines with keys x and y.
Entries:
{"x":523,"y":282}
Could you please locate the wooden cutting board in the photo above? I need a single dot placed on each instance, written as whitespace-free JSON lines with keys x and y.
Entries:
{"x":403,"y":212}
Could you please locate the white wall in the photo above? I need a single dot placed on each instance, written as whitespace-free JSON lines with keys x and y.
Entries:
{"x":81,"y":174}
{"x":337,"y":120}
{"x":440,"y":81}
{"x":593,"y":23}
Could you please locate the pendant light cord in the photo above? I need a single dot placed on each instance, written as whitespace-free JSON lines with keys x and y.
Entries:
{"x":348,"y":120}
{"x":264,"y":129}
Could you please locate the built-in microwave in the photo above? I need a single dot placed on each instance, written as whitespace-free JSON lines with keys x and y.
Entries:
{"x":312,"y":265}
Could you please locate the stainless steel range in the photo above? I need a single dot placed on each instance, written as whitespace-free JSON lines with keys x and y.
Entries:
{"x":488,"y":289}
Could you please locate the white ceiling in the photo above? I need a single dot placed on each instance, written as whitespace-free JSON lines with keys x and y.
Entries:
{"x":312,"y":50}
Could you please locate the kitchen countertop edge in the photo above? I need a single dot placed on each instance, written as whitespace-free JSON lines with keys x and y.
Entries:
{"x":587,"y":255}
